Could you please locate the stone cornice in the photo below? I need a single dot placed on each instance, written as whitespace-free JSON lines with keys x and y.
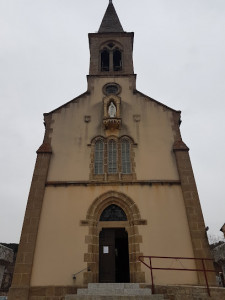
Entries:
{"x":109,"y":183}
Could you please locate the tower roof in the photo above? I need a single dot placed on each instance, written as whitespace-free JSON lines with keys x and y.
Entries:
{"x":110,"y":21}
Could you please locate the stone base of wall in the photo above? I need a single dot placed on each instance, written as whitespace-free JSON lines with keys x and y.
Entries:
{"x":42,"y":292}
{"x":52,"y":292}
{"x":182,"y":292}
{"x":171,"y":292}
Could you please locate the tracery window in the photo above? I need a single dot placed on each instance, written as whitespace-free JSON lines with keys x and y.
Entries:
{"x":111,"y":57}
{"x":112,"y":157}
{"x":125,"y":156}
{"x":99,"y":156}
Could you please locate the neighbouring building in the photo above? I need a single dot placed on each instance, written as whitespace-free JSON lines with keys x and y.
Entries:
{"x":219,"y":261}
{"x":113,"y":181}
{"x":6,"y":258}
{"x":218,"y":252}
{"x":9,"y":267}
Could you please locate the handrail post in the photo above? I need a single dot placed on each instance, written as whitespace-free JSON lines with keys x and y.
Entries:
{"x":153,"y":288}
{"x":206,"y":279}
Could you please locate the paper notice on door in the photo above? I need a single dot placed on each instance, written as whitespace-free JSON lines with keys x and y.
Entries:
{"x":105,"y":249}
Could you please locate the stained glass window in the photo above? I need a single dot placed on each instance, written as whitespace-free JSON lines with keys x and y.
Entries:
{"x":112,"y":157}
{"x":125,"y":157}
{"x":113,"y":213}
{"x":99,"y":155}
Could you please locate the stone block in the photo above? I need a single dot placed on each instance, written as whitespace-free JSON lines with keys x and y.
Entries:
{"x":18,"y":293}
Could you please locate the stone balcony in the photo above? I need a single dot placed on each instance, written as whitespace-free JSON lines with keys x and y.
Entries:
{"x":112,"y":123}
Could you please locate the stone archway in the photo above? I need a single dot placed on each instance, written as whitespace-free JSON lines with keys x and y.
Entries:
{"x":131,"y":225}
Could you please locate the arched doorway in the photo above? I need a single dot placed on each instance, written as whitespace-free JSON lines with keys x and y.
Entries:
{"x":113,"y":247}
{"x":130,"y":226}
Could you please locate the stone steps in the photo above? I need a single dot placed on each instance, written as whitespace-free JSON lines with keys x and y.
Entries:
{"x":115,"y":291}
{"x":114,"y":297}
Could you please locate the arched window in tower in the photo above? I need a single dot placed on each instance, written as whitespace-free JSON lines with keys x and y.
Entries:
{"x":112,"y":157}
{"x":117,"y":60}
{"x":105,"y":60}
{"x":125,"y":156}
{"x":113,"y":213}
{"x":99,"y":157}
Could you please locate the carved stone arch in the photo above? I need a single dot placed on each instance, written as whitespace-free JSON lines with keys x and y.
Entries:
{"x":96,"y":138}
{"x":127,"y":137}
{"x":112,"y":137}
{"x":113,"y":197}
{"x":111,"y":44}
{"x":131,"y":225}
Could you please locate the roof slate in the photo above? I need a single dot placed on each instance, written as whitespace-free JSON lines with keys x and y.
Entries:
{"x":110,"y":21}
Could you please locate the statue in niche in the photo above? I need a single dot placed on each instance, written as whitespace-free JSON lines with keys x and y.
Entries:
{"x":112,"y":110}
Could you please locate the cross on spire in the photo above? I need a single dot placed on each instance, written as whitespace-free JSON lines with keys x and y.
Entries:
{"x":110,"y":1}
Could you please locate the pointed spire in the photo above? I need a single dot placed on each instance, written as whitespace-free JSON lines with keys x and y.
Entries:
{"x":110,"y":21}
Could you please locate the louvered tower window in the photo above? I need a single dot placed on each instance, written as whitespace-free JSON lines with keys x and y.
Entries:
{"x":105,"y":60}
{"x":112,"y":157}
{"x":99,"y":156}
{"x":117,"y":60}
{"x":125,"y":157}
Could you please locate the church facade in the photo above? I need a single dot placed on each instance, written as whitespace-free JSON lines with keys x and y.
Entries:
{"x":113,"y":181}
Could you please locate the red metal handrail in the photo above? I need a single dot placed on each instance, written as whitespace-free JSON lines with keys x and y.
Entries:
{"x":204,"y":270}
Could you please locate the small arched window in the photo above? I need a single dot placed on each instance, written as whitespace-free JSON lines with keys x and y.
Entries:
{"x":125,"y":156}
{"x":112,"y":157}
{"x":117,"y":60}
{"x":99,"y":156}
{"x":105,"y":60}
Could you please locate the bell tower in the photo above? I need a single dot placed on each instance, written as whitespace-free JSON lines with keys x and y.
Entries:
{"x":111,"y":48}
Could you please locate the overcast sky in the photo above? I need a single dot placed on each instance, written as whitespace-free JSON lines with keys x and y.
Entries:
{"x":179,"y":59}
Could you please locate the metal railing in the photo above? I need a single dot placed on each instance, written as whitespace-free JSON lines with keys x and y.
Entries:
{"x":75,"y":275}
{"x":204,"y":270}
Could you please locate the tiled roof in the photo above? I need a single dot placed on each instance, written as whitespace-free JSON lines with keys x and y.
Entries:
{"x":110,"y":21}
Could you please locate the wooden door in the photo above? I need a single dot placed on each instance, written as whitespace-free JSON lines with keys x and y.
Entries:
{"x":107,"y":266}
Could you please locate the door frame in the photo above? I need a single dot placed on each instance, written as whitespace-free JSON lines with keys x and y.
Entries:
{"x":131,"y":226}
{"x":113,"y":228}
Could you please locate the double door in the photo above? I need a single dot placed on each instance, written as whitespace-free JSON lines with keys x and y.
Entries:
{"x":113,"y":255}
